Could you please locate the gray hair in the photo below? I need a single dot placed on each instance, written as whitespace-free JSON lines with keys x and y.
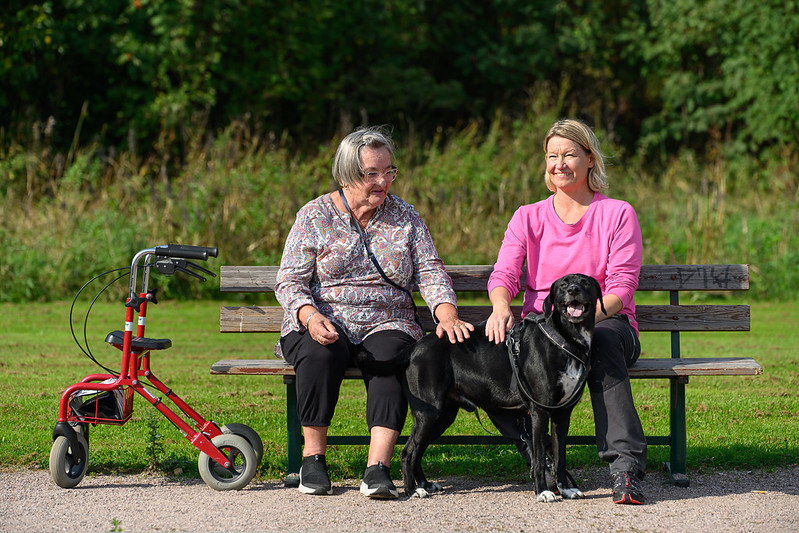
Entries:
{"x":347,"y":168}
{"x":577,"y":131}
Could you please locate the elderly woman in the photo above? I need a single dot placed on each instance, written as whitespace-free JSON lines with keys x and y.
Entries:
{"x":578,"y":229}
{"x":337,"y":301}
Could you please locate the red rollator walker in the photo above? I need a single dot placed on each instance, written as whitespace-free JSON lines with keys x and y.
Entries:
{"x":229,"y":455}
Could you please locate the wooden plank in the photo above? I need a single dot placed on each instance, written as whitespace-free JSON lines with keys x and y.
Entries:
{"x":683,"y":367}
{"x":247,"y":278}
{"x":274,"y":367}
{"x":263,"y":278}
{"x":692,"y":317}
{"x":470,"y":277}
{"x":694,"y":278}
{"x":474,"y":277}
{"x":643,"y":368}
{"x":250,"y":319}
{"x":268,"y":319}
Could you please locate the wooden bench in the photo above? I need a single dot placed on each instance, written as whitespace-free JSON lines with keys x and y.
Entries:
{"x":672,"y":317}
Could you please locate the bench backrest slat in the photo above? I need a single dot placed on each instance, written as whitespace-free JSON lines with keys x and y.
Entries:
{"x":268,"y":319}
{"x":255,"y":319}
{"x":247,"y":278}
{"x":694,"y":278}
{"x":475,"y":277}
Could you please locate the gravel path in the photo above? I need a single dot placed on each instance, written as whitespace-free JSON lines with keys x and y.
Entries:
{"x":719,"y":501}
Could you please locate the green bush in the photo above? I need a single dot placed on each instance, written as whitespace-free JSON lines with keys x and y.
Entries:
{"x":234,"y":194}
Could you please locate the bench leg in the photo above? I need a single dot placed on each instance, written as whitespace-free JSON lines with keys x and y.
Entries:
{"x":679,"y":444}
{"x":293,"y":434}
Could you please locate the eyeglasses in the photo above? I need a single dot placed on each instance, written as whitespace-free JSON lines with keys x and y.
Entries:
{"x":373,"y":175}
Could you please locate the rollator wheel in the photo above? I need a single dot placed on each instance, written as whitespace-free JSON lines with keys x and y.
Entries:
{"x":82,"y":429}
{"x":68,"y":466}
{"x":243,"y":430}
{"x":240,"y":454}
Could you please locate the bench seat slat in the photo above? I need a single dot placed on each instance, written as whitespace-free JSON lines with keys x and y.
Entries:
{"x":273,"y":367}
{"x":643,"y":368}
{"x":686,"y":366}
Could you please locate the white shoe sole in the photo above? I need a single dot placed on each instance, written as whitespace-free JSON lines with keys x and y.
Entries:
{"x":319,"y":491}
{"x":381,"y":493}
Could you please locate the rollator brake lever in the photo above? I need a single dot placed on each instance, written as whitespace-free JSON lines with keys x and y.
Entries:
{"x":170,"y":265}
{"x":185,"y":270}
{"x":201,"y":269}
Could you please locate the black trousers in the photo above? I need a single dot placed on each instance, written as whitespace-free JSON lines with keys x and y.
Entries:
{"x":620,"y":438}
{"x":320,"y":371}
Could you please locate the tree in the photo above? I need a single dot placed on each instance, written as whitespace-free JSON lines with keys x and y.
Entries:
{"x":726,"y":69}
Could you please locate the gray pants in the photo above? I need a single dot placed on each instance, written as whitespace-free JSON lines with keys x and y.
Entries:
{"x":620,"y":437}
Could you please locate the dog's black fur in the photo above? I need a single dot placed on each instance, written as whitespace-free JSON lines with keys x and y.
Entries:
{"x":442,"y":377}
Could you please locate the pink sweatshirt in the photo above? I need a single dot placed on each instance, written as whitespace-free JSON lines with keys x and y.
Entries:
{"x":605,"y":244}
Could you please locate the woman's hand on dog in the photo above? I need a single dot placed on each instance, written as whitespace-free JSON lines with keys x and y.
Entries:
{"x":501,"y":319}
{"x":450,"y":325}
{"x":498,"y":324}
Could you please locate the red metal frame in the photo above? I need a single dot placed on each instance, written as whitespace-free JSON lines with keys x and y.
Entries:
{"x":135,"y":366}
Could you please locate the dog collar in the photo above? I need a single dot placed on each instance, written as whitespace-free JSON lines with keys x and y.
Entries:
{"x":557,"y":339}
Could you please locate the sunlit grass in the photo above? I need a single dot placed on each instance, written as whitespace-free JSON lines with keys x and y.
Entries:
{"x":733,"y":422}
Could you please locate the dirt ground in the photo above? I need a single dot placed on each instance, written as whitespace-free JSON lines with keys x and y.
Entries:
{"x":718,"y":501}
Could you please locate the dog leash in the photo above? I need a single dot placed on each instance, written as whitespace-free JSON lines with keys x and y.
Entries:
{"x":513,"y":342}
{"x":556,"y":338}
{"x":374,"y":260}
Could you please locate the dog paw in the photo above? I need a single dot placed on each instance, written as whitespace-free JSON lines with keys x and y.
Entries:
{"x":434,"y":487}
{"x":420,"y":493}
{"x":572,"y":494}
{"x":546,"y":497}
{"x":426,"y":490}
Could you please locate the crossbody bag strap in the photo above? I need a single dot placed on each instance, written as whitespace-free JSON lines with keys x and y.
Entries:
{"x":374,"y":259}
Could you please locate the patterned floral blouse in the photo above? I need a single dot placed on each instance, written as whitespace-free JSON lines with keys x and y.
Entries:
{"x":325,"y":265}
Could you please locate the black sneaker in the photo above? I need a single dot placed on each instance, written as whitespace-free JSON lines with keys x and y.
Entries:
{"x":313,"y":476}
{"x":627,"y":489}
{"x":377,"y":483}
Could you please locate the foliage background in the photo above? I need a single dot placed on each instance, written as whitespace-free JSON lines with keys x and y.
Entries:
{"x":142,"y":75}
{"x":127,"y":124}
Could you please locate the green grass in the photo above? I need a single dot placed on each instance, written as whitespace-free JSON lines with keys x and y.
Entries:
{"x":749,"y":422}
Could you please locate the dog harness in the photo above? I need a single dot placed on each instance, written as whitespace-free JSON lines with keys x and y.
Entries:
{"x":513,"y":342}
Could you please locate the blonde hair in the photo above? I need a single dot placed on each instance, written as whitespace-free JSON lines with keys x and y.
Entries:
{"x":347,"y":168}
{"x":577,"y":131}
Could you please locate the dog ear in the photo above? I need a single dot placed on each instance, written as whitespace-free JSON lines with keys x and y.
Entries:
{"x":599,"y":293}
{"x":548,"y":305}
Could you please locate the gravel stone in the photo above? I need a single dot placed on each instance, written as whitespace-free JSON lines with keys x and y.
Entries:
{"x":715,"y":501}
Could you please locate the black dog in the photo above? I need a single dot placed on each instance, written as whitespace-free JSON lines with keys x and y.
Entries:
{"x":542,"y":367}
